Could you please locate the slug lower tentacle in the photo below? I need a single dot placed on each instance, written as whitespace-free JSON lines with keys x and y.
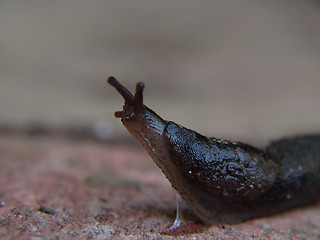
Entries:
{"x":224,"y":181}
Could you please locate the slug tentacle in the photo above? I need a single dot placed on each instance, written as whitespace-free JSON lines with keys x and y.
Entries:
{"x":125,"y":93}
{"x":138,"y":98}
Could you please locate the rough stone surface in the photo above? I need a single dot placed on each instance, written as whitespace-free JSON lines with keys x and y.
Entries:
{"x":55,"y":188}
{"x":241,"y":70}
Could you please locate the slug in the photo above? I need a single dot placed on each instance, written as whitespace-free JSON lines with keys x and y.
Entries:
{"x":224,"y":181}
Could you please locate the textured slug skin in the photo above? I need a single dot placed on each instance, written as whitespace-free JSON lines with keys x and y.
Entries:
{"x":223,"y":181}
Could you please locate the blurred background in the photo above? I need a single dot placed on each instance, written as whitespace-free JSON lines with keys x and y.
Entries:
{"x":243,"y":70}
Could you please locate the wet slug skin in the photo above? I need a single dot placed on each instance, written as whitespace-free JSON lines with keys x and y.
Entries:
{"x":224,"y":181}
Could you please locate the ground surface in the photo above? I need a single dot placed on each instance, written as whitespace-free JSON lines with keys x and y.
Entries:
{"x":242,"y":70}
{"x":57,"y":188}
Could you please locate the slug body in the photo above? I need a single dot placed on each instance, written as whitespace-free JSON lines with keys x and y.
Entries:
{"x":224,"y":181}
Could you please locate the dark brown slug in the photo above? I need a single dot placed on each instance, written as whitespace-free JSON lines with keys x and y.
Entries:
{"x":220,"y":180}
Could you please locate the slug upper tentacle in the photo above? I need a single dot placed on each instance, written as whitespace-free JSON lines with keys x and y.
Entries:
{"x":125,"y":93}
{"x":223,"y":181}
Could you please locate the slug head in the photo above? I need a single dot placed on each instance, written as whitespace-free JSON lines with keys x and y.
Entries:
{"x":133,"y":105}
{"x":143,"y":123}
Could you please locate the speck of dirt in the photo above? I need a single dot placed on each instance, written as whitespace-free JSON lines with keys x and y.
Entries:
{"x":104,"y":217}
{"x":47,"y":210}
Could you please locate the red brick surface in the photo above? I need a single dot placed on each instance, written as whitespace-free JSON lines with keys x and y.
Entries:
{"x":239,"y":70}
{"x":53,"y":188}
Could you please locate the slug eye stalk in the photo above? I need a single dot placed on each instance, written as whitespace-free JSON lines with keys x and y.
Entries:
{"x":124,"y":92}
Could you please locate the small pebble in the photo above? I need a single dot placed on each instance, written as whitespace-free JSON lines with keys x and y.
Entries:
{"x":47,"y":210}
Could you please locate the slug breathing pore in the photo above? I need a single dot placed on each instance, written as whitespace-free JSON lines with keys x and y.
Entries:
{"x":224,"y":181}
